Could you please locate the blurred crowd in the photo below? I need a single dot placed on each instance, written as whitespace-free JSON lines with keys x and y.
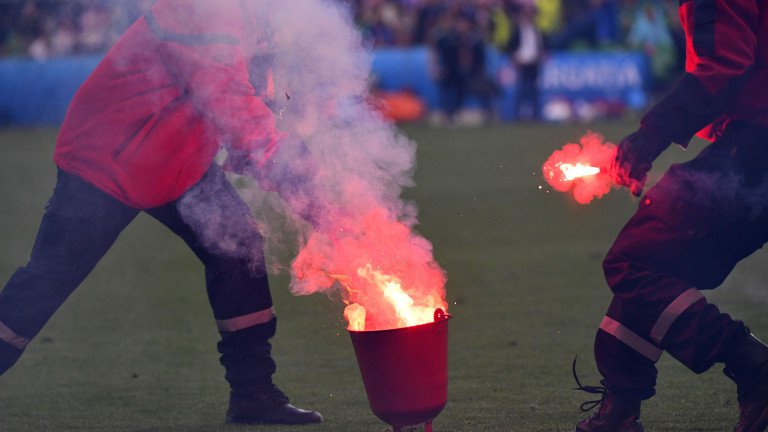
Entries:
{"x":459,"y":33}
{"x":44,"y":29}
{"x":648,"y":25}
{"x":47,"y":28}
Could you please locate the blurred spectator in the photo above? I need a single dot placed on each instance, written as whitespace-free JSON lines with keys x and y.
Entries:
{"x":95,"y":28}
{"x":460,"y":52}
{"x":672,"y":18}
{"x":501,"y":27}
{"x":549,"y":16}
{"x":526,"y":51}
{"x":64,"y":37}
{"x":26,"y":29}
{"x":650,"y":34}
{"x":5,"y":25}
{"x":428,"y":18}
{"x":51,"y":28}
{"x":591,"y":23}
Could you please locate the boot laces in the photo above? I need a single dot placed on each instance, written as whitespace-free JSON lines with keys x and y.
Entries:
{"x":591,"y":404}
{"x":273,"y":394}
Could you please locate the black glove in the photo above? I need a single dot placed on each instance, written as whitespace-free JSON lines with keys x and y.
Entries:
{"x":634,"y":158}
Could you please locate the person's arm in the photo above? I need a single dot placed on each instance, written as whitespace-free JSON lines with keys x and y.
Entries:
{"x":720,"y":52}
{"x":721,"y":42}
{"x":202,"y":48}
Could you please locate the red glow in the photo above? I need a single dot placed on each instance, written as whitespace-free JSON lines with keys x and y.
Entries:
{"x":386,"y":271}
{"x":583,"y":167}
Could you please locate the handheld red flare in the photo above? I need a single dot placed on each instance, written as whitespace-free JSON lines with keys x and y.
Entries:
{"x":586,"y":168}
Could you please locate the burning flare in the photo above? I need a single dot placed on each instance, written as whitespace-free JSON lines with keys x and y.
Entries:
{"x":386,"y":271}
{"x":574,"y":171}
{"x":583,"y":167}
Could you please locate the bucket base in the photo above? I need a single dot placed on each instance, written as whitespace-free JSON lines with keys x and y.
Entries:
{"x":427,"y":428}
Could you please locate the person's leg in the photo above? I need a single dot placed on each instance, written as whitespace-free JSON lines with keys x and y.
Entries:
{"x":449,"y":97}
{"x":525,"y":93}
{"x":535,"y":101}
{"x":689,"y":232}
{"x":79,"y":225}
{"x":216,"y":224}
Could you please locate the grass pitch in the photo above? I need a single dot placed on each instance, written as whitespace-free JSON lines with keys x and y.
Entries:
{"x":133,"y":349}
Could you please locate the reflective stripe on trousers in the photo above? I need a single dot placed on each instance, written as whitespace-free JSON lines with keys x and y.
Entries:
{"x":12,"y":338}
{"x":245,"y":321}
{"x":652,"y":351}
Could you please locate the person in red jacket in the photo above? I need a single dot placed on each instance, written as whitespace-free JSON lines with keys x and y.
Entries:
{"x":141,"y":134}
{"x":694,"y":225}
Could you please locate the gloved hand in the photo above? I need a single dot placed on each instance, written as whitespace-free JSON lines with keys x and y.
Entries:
{"x":634,"y":158}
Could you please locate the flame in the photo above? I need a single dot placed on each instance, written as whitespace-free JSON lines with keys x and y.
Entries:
{"x":392,"y":290}
{"x":582,"y":167}
{"x":384,"y":271}
{"x":577,"y":170}
{"x":355,"y":316}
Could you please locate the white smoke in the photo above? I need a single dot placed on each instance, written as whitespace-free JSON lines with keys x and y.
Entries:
{"x":359,"y":162}
{"x":322,"y":65}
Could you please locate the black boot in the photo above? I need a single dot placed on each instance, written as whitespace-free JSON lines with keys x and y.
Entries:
{"x":267,"y":405}
{"x":616,"y":414}
{"x":747,"y":365}
{"x":247,"y":357}
{"x":9,"y":354}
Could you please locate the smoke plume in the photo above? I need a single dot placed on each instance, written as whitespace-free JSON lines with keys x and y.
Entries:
{"x":348,"y":179}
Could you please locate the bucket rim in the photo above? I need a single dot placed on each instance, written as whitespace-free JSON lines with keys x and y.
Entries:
{"x":440,"y":316}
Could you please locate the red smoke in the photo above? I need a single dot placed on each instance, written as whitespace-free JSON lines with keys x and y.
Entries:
{"x":584,"y":167}
{"x":386,"y":271}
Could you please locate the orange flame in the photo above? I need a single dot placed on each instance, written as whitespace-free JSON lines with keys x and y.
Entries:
{"x":355,"y":316}
{"x":391,"y":287}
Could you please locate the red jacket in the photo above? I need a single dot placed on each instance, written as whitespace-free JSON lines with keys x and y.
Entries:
{"x":726,"y":69}
{"x":147,"y":123}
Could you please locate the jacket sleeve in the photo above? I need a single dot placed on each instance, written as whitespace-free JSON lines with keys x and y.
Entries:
{"x":203,"y":49}
{"x":721,"y":42}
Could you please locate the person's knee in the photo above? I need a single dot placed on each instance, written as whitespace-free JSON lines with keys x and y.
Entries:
{"x":617,"y":268}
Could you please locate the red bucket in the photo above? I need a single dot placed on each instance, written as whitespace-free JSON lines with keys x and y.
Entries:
{"x":405,"y":371}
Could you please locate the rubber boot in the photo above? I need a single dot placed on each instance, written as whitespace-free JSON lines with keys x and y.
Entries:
{"x":247,"y":357}
{"x":747,"y":365}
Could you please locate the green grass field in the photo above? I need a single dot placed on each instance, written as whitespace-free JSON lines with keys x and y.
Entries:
{"x":133,"y":349}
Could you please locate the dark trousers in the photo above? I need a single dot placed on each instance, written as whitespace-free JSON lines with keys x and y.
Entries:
{"x":453,"y":92}
{"x":688,"y":233}
{"x":81,"y":223}
{"x":527,"y":92}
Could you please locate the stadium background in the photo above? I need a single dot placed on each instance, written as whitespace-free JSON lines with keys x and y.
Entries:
{"x":133,"y":349}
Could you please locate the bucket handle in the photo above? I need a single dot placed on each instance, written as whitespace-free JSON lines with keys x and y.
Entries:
{"x":440,"y":315}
